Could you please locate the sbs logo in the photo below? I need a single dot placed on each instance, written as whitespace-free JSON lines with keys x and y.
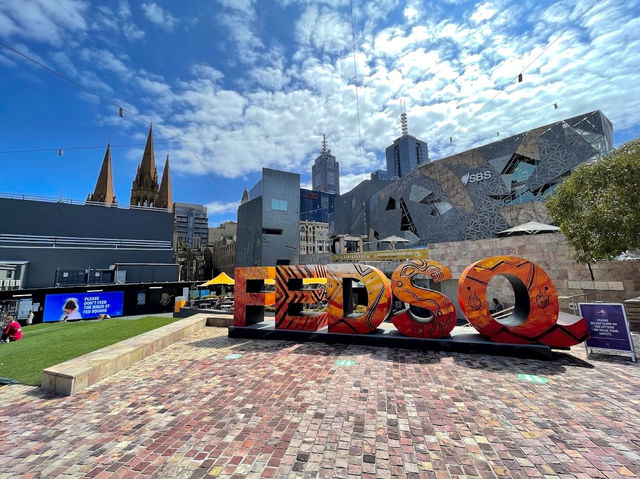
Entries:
{"x":475,"y":177}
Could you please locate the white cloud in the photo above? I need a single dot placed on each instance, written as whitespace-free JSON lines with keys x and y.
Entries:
{"x":42,"y":20}
{"x":158,"y":15}
{"x":220,"y":207}
{"x":106,"y":61}
{"x":483,"y":12}
{"x":245,"y":44}
{"x":241,"y":5}
{"x":274,"y":112}
{"x":323,"y":29}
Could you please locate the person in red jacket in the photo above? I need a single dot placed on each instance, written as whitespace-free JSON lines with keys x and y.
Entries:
{"x":13,"y":331}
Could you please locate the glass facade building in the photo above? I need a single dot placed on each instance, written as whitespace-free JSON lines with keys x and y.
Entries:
{"x":325,"y":172}
{"x":192,"y":225}
{"x":405,"y":155}
{"x":316,"y":206}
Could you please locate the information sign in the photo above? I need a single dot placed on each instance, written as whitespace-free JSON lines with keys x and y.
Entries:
{"x":24,"y":307}
{"x":75,"y":306}
{"x":608,"y":328}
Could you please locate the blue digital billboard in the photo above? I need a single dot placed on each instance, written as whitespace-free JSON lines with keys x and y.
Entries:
{"x":75,"y":306}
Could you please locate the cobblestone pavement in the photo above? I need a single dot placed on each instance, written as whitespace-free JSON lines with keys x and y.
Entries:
{"x":291,"y":410}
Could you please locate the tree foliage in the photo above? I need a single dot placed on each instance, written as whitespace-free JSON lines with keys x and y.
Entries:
{"x":598,"y":207}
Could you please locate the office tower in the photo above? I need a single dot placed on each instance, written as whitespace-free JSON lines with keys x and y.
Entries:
{"x":406,"y":153}
{"x":325,"y":173}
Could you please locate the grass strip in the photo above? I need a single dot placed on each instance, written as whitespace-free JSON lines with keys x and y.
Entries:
{"x":47,"y":344}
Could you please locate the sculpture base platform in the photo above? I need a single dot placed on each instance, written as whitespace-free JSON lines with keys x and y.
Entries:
{"x":462,"y":340}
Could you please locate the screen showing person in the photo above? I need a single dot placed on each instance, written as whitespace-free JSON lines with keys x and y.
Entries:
{"x":70,"y":310}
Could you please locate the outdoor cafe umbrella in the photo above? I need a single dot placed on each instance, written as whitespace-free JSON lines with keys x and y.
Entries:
{"x":530,"y":228}
{"x":222,"y":279}
{"x":393,"y":240}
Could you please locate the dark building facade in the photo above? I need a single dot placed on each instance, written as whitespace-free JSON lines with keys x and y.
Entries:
{"x":50,"y":239}
{"x":480,"y":192}
{"x":268,"y":223}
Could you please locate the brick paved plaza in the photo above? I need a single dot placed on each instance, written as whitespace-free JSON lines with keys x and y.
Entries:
{"x":290,"y":410}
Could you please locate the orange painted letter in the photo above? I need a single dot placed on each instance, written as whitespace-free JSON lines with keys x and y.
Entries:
{"x":340,"y":305}
{"x":443,"y":318}
{"x":290,"y":298}
{"x":249,"y":299}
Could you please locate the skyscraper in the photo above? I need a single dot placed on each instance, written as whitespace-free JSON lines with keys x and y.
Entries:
{"x":325,"y":173}
{"x":406,"y":153}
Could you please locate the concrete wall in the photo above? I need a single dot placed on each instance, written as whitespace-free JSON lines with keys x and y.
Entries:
{"x":32,"y":219}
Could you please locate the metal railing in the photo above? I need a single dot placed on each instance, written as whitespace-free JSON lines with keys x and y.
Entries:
{"x":69,"y":201}
{"x":47,"y":241}
{"x":574,"y":299}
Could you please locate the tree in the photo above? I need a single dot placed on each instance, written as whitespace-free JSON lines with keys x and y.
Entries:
{"x":598,"y":207}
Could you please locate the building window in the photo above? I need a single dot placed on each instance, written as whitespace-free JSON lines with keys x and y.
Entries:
{"x":279,"y":205}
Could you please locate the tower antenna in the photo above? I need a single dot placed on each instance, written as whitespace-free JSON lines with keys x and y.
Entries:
{"x":403,"y":120}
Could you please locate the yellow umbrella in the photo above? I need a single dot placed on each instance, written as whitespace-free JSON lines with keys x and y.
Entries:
{"x":222,"y":278}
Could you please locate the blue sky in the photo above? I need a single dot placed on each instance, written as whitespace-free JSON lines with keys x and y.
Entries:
{"x":251,"y":84}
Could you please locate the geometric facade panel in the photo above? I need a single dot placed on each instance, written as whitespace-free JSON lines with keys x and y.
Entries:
{"x":480,"y":192}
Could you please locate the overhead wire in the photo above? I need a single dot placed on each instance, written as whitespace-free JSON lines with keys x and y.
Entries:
{"x":111,"y":102}
{"x":523,"y":70}
{"x":155,"y":142}
{"x":355,"y":73}
{"x":186,"y":142}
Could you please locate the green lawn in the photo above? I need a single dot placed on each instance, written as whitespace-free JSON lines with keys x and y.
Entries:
{"x":43,"y":345}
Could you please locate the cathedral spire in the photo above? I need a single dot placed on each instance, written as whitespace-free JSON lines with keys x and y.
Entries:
{"x":103,"y":192}
{"x":165,"y":198}
{"x":245,"y":196}
{"x":144,"y":191}
{"x":148,"y":165}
